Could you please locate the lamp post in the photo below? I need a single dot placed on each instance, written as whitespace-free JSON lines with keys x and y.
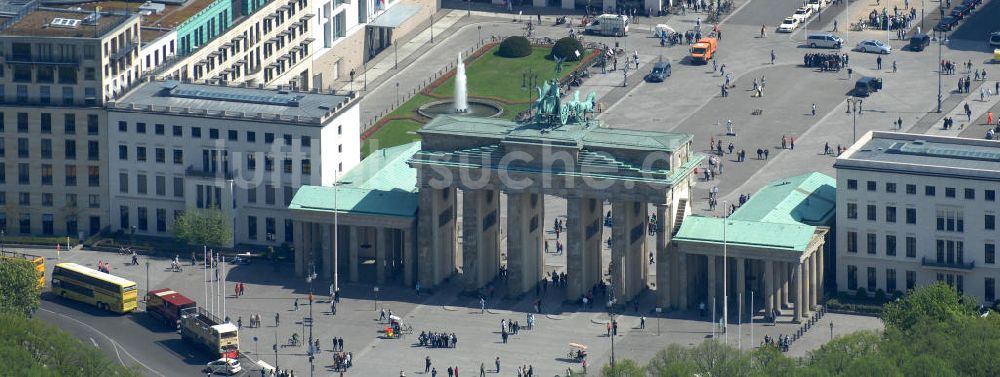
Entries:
{"x":310,"y":279}
{"x":397,"y":93}
{"x":336,"y":244}
{"x":941,"y":42}
{"x":255,"y":353}
{"x":725,"y":273}
{"x":479,"y":29}
{"x":855,"y":110}
{"x":611,"y":314}
{"x":3,"y":239}
{"x":147,"y":275}
{"x":275,"y":348}
{"x":375,"y":289}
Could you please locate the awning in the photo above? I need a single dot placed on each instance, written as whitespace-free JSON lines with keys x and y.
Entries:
{"x":395,"y":16}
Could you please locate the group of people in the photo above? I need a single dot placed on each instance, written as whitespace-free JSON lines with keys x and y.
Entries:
{"x":437,"y":339}
{"x":825,"y":61}
{"x":782,"y":342}
{"x":104,"y":267}
{"x":342,"y":360}
{"x":254,"y":321}
{"x":895,"y":21}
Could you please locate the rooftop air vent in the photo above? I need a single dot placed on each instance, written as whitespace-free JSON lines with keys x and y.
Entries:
{"x":69,"y":23}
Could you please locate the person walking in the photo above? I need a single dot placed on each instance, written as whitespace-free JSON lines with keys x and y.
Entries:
{"x":763,"y":31}
{"x":427,"y":364}
{"x":772,"y":56}
{"x":482,"y":369}
{"x":878,"y":63}
{"x":814,"y":109}
{"x":497,"y":362}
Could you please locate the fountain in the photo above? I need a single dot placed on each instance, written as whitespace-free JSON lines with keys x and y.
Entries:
{"x":461,"y":99}
{"x":461,"y":104}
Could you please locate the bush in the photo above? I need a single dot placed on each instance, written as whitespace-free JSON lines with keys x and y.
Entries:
{"x":880,"y":296}
{"x":566,"y":48}
{"x":861,"y":294}
{"x":514,"y":47}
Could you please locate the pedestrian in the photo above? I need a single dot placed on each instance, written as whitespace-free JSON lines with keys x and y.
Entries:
{"x":826,"y":148}
{"x":792,"y":142}
{"x":277,"y":319}
{"x":772,"y":56}
{"x":850,"y":72}
{"x":989,"y":118}
{"x":642,"y":322}
{"x":498,"y":364}
{"x":814,"y":109}
{"x":878,"y":62}
{"x":763,"y":31}
{"x":482,"y":369}
{"x":296,"y":304}
{"x":893,"y":66}
{"x":899,"y":123}
{"x":427,"y":364}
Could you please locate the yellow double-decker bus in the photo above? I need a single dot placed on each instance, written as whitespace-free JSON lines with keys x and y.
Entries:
{"x":87,"y":285}
{"x":36,"y":260}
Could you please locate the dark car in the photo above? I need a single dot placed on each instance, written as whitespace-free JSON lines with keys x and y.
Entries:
{"x":946,"y":24}
{"x":961,"y":11}
{"x":659,"y":73}
{"x":972,"y":4}
{"x":866,"y":86}
{"x":919,"y":41}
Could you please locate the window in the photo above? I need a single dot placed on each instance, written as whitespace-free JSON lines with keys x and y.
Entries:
{"x":288,"y":195}
{"x":991,"y":195}
{"x":268,"y":138}
{"x":970,"y":193}
{"x":93,"y":176}
{"x":269,"y":228}
{"x":286,"y":165}
{"x":161,"y":185}
{"x":24,"y":198}
{"x":306,"y":141}
{"x":93,"y":150}
{"x":70,"y":149}
{"x":161,"y":155}
{"x":872,"y":276}
{"x":911,"y":215}
{"x":251,"y":161}
{"x":70,"y":176}
{"x":890,"y":187}
{"x":46,"y":175}
{"x":872,"y":243}
{"x":159,"y":129}
{"x":950,"y":220}
{"x":911,"y":247}
{"x":93,"y":125}
{"x":23,"y":174}
{"x":990,"y":253}
{"x":911,"y":280}
{"x":872,"y":185}
{"x":911,"y":189}
{"x":306,"y":167}
{"x":852,"y":277}
{"x":23,"y":149}
{"x":22,"y":122}
{"x":890,"y":280}
{"x":929,"y":191}
{"x":178,"y":156}
{"x":123,"y":183}
{"x":213,"y":133}
{"x":46,"y":149}
{"x":233,"y":135}
{"x":140,"y":183}
{"x":71,"y":200}
{"x":871,"y":210}
{"x":990,"y":289}
{"x":288,"y":139}
{"x":123,"y":152}
{"x":252,"y":227}
{"x":140,"y":128}
{"x":289,"y":231}
{"x":252,"y":195}
{"x":268,"y":163}
{"x":46,"y":199}
{"x":123,"y":213}
{"x":990,"y":221}
{"x":46,"y":123}
{"x":890,"y":245}
{"x":141,"y":218}
{"x":45,"y":94}
{"x":25,"y":223}
{"x":94,"y":201}
{"x":251,"y":137}
{"x":178,"y":187}
{"x":949,"y":192}
{"x":178,"y":131}
{"x":890,"y":214}
{"x":269,"y":194}
{"x":161,"y":220}
{"x":852,"y":210}
{"x":140,"y":154}
{"x":852,"y":184}
{"x":196,"y":132}
{"x":852,"y":242}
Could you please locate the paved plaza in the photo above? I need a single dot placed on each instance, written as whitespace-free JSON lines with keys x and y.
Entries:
{"x":687,"y":102}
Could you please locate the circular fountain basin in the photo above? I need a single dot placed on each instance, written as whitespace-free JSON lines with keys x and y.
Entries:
{"x":476,"y":107}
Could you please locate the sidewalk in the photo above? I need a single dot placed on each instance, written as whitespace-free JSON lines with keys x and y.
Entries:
{"x":963,"y":125}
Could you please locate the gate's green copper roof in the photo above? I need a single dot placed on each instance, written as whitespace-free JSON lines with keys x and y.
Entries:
{"x":382,"y":184}
{"x":807,"y":199}
{"x":792,"y":237}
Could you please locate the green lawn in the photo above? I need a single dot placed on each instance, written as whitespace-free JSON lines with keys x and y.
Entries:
{"x":395,"y":132}
{"x":495,"y":76}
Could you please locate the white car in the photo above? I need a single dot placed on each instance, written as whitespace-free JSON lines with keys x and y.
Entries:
{"x":803,"y":13}
{"x":225,"y":366}
{"x":788,"y":25}
{"x":873,"y":45}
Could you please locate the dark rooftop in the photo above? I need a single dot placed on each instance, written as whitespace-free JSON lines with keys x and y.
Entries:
{"x":40,"y":23}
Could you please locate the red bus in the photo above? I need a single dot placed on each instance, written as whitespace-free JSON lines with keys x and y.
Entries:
{"x":165,"y":304}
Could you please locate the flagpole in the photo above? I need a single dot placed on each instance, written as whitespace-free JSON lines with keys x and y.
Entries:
{"x":222,"y":289}
{"x":205,"y":273}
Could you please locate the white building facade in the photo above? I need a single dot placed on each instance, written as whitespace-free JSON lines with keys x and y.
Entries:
{"x":915,"y":209}
{"x":245,"y":151}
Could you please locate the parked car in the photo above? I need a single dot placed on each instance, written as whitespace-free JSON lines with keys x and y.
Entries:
{"x":961,"y":11}
{"x":919,"y":41}
{"x":803,"y":13}
{"x":788,"y":25}
{"x":660,"y":72}
{"x":225,"y":366}
{"x":972,"y":3}
{"x":867,"y":85}
{"x":873,"y":45}
{"x":946,"y":24}
{"x":824,"y":40}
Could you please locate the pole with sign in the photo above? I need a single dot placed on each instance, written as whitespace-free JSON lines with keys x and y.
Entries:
{"x":659,"y":312}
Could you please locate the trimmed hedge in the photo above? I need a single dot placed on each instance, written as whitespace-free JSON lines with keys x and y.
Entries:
{"x":566,"y":48}
{"x":514,"y":47}
{"x":870,"y":309}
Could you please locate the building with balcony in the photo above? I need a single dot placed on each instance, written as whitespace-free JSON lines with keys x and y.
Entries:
{"x":915,"y":209}
{"x":57,"y":69}
{"x":175,"y":146}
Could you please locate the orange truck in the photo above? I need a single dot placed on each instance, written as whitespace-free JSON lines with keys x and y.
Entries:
{"x":703,"y":50}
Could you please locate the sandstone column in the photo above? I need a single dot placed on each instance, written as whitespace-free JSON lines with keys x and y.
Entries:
{"x":741,"y":282}
{"x":436,"y":249}
{"x":300,"y":248}
{"x":480,"y":237}
{"x":798,"y":292}
{"x":327,"y":254}
{"x":663,"y":275}
{"x":352,"y":255}
{"x":524,"y":241}
{"x":628,"y":248}
{"x":380,"y":250}
{"x":584,"y":231}
{"x":711,"y":303}
{"x":769,"y":288}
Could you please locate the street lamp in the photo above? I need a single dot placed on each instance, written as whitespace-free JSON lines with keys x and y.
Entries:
{"x":310,"y":279}
{"x":479,"y":28}
{"x":855,"y":110}
{"x":941,"y":43}
{"x":375,"y":289}
{"x":611,"y":314}
{"x":397,"y":93}
{"x":725,"y":273}
{"x":147,"y":275}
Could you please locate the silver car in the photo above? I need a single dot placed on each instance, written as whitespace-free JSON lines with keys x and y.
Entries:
{"x":873,"y":45}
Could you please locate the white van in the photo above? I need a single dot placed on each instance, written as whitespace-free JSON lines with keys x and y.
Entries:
{"x":824,"y":40}
{"x":611,"y":25}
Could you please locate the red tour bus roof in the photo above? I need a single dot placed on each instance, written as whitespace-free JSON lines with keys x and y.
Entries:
{"x":170,"y":296}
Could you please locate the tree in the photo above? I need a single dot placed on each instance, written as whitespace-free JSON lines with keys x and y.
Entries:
{"x":566,"y":48}
{"x":937,"y":302}
{"x":514,"y":47}
{"x":19,"y":290}
{"x":623,"y":368}
{"x":29,"y":347}
{"x":208,"y":227}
